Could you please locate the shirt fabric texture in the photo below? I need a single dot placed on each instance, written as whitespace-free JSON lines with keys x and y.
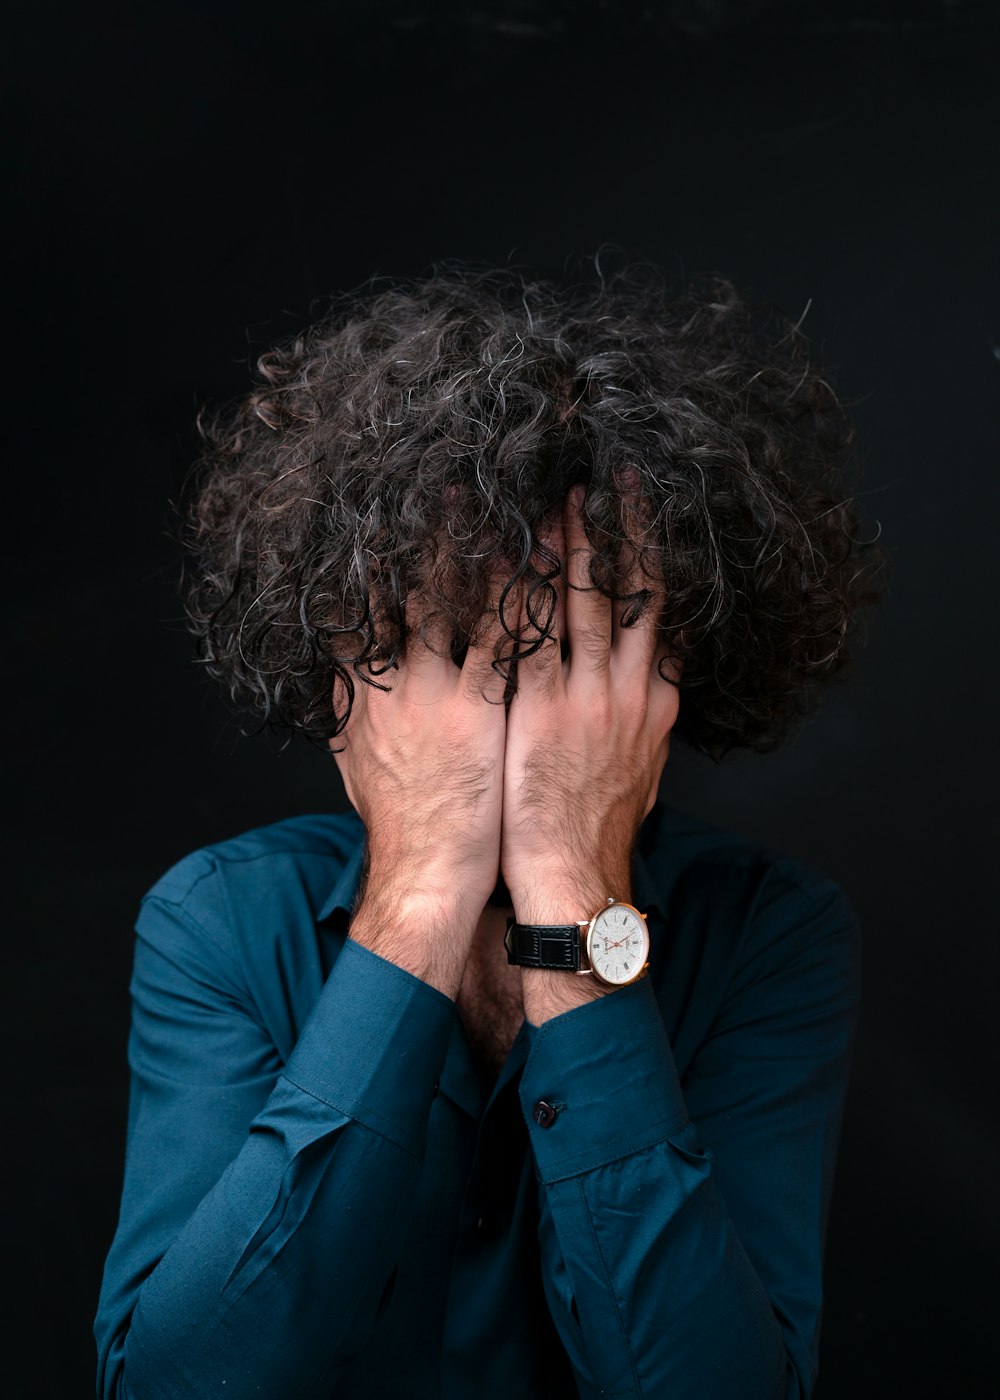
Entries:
{"x":324,"y":1198}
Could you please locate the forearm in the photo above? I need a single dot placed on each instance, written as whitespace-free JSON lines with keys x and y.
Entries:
{"x":649,"y":1285}
{"x":273,"y":1284}
{"x":694,"y":1321}
{"x":276,"y":1277}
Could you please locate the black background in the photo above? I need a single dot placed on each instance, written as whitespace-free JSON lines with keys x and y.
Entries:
{"x":184,"y":181}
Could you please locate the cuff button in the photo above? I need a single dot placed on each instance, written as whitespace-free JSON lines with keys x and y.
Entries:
{"x":544,"y":1114}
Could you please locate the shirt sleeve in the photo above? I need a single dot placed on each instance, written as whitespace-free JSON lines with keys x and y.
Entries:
{"x":682,"y":1227}
{"x":252,"y":1261}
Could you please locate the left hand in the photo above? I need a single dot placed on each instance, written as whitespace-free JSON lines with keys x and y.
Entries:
{"x":587,"y":741}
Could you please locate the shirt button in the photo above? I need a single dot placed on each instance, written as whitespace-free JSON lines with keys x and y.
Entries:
{"x":544,"y":1114}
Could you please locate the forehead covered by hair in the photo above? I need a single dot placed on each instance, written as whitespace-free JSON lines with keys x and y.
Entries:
{"x":419,"y":437}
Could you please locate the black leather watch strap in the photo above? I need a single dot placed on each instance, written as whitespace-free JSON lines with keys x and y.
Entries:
{"x":543,"y":945}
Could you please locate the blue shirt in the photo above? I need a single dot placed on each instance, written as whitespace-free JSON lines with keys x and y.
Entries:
{"x":323,"y":1197}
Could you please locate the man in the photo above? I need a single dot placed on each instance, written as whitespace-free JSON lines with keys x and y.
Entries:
{"x":515,"y":1081}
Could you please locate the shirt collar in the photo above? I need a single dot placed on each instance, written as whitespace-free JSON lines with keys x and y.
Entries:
{"x":342,"y":896}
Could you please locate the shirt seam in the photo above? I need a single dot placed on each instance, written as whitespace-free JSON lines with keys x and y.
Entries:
{"x":230,"y":945}
{"x":622,"y":1331}
{"x":769,"y":865}
{"x":389,"y":1130}
{"x":179,"y":910}
{"x":215,"y":861}
{"x":562,"y":1169}
{"x":210,"y":853}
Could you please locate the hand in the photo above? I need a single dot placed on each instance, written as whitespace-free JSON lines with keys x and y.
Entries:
{"x":423,"y":767}
{"x":587,"y":741}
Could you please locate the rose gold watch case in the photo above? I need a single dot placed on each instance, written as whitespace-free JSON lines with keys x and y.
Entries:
{"x":589,"y":926}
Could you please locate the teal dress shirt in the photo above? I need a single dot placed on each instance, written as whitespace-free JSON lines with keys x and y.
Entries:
{"x":323,"y":1197}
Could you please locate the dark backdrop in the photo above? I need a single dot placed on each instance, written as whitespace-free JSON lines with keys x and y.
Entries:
{"x":185,"y":181}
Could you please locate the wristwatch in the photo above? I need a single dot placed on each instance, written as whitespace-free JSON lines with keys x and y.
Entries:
{"x":613,"y":946}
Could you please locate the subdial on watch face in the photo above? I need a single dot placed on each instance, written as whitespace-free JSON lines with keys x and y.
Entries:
{"x":619,"y":943}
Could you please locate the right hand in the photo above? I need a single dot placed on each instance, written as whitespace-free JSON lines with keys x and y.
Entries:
{"x":423,"y":767}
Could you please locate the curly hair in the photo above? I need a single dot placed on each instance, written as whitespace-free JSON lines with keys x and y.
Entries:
{"x":418,"y":436}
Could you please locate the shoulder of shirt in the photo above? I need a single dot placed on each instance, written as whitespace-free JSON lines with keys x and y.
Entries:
{"x":299,"y":858}
{"x":780,"y":899}
{"x":678,"y":839}
{"x":758,"y":937}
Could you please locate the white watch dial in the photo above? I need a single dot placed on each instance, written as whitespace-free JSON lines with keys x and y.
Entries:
{"x":618,"y":944}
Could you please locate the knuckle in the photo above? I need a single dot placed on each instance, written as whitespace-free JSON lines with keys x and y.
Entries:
{"x":547,"y":656}
{"x":578,"y":562}
{"x":634,"y":704}
{"x":601,"y":712}
{"x":595,"y":645}
{"x":541,"y":778}
{"x":546,"y":664}
{"x":481,"y":685}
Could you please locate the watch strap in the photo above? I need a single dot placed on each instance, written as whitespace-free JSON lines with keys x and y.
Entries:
{"x":543,"y":945}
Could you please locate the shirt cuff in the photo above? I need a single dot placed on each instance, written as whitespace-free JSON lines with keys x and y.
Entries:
{"x":374,"y":1044}
{"x":608,"y":1071}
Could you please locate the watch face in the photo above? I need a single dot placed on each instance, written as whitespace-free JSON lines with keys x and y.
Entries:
{"x":618,"y":943}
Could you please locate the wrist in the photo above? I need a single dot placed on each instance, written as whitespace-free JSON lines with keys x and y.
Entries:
{"x":547,"y":993}
{"x":568,"y":904}
{"x":428,"y":937}
{"x":390,"y":875}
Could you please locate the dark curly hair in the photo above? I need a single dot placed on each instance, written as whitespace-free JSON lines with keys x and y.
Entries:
{"x":418,"y":435}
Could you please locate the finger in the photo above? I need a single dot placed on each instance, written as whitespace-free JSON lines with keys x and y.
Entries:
{"x":480,"y":677}
{"x":635,"y":639}
{"x":427,"y":668}
{"x":555,"y":540}
{"x":542,"y":615}
{"x":588,"y":610}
